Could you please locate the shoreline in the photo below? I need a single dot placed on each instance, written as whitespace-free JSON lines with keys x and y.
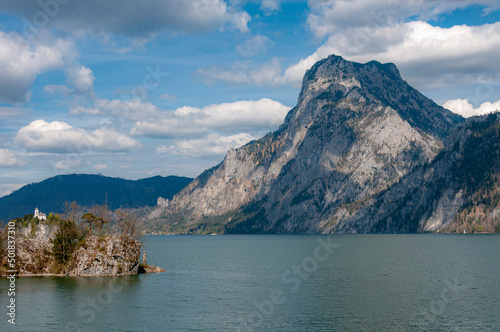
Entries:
{"x":146,"y":270}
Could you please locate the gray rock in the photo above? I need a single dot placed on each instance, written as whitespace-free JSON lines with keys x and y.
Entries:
{"x":109,"y":256}
{"x":99,"y":256}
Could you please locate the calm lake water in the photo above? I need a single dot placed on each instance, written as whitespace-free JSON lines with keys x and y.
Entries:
{"x":280,"y":283}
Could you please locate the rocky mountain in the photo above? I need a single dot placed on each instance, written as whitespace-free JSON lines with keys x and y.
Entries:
{"x":357,"y":130}
{"x":88,"y":190}
{"x":458,"y":191}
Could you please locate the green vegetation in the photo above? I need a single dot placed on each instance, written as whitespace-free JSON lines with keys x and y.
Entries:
{"x":68,"y":238}
{"x":356,"y":205}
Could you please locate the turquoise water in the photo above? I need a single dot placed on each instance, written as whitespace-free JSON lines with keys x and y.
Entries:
{"x":280,"y":283}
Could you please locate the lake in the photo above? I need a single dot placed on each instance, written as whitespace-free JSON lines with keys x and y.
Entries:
{"x":280,"y":283}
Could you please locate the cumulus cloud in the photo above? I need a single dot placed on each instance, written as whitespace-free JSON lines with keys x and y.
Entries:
{"x":7,"y":158}
{"x":246,"y":115}
{"x":22,"y":60}
{"x":426,"y":55}
{"x":253,"y":46}
{"x":80,"y":80}
{"x":464,"y":108}
{"x":211,"y":144}
{"x":137,"y":19}
{"x":60,"y":137}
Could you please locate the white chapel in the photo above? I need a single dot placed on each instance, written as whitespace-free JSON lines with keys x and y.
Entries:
{"x":39,"y":215}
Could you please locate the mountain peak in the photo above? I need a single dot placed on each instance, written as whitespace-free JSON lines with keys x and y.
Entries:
{"x":335,"y":78}
{"x":335,"y":65}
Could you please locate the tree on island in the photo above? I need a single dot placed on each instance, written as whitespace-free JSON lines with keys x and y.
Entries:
{"x":93,"y":220}
{"x":68,"y":238}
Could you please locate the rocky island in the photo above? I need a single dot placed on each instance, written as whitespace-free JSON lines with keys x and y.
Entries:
{"x":77,"y":245}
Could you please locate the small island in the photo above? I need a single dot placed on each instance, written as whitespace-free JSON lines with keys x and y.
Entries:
{"x":97,"y":242}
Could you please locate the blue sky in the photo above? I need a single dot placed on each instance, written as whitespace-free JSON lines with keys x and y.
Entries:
{"x":135,"y":89}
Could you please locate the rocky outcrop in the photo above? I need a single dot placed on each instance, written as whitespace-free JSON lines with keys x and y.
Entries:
{"x":112,"y":255}
{"x":34,"y":250}
{"x":357,"y":130}
{"x":107,"y":256}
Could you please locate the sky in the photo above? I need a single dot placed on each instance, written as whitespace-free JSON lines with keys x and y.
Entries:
{"x":134,"y":89}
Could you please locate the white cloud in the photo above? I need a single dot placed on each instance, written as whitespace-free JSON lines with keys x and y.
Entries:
{"x":139,"y":20}
{"x":212,"y":144}
{"x":82,"y":79}
{"x":60,"y":137}
{"x":393,"y":31}
{"x":427,"y":56}
{"x":23,"y":60}
{"x":246,"y":115}
{"x":466,"y":109}
{"x":7,"y":158}
{"x":330,"y":17}
{"x":253,"y":46}
{"x":270,"y":5}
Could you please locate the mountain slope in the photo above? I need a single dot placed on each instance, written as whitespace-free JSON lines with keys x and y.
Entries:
{"x":86,"y":189}
{"x":458,"y":191}
{"x":357,"y":129}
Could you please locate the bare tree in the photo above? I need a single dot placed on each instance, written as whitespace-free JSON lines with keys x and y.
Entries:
{"x":72,"y":211}
{"x":127,"y":223}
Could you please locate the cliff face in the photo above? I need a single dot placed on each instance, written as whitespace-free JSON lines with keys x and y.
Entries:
{"x":357,"y":130}
{"x":458,"y":191}
{"x":98,"y":256}
{"x":34,"y":250}
{"x":110,"y":256}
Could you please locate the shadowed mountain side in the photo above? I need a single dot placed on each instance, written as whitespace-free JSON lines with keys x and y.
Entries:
{"x":458,"y":191}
